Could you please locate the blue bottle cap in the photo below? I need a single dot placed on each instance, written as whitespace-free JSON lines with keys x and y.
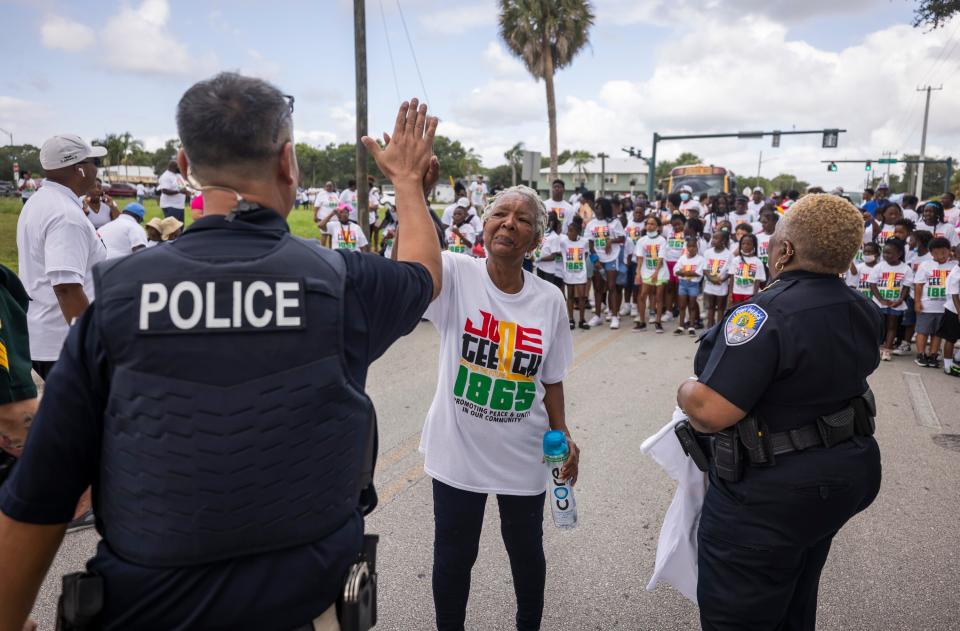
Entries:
{"x":555,"y":443}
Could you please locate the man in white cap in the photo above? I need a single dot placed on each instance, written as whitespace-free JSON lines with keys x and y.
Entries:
{"x":58,"y":246}
{"x":757,"y":201}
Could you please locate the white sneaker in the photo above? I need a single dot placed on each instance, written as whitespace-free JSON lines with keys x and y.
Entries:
{"x":903,"y":349}
{"x":624,"y":309}
{"x":667,"y":317}
{"x":615,"y":322}
{"x":633,"y":310}
{"x":607,"y":316}
{"x":595,"y":321}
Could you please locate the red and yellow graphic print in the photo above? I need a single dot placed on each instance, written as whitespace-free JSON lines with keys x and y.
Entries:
{"x":936,"y":286}
{"x":746,"y":274}
{"x":890,"y":285}
{"x":498,"y":363}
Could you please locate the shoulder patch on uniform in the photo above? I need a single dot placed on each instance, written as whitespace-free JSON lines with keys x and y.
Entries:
{"x":744,"y":324}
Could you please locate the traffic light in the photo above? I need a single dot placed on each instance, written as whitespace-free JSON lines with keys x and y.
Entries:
{"x":832,"y":167}
{"x":868,"y":166}
{"x":776,"y":139}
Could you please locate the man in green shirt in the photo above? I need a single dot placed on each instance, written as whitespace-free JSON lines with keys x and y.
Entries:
{"x":18,"y":393}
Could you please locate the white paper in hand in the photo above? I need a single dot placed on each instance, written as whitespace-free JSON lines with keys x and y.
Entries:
{"x":677,"y":547}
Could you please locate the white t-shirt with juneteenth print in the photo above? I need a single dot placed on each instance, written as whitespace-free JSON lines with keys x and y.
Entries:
{"x":933,"y":277}
{"x":649,"y":252}
{"x":456,"y":245}
{"x":716,"y":263}
{"x":484,"y":430}
{"x":326,"y":203}
{"x":602,"y":232}
{"x":565,"y":212}
{"x":692,"y":264}
{"x":744,"y":272}
{"x":574,"y":266}
{"x":348,"y":237}
{"x":890,"y":280}
{"x":549,"y":246}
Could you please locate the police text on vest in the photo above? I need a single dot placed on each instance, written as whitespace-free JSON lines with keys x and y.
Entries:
{"x":227,"y":305}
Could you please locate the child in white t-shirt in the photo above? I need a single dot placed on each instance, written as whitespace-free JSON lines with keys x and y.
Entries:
{"x":716,"y":284}
{"x":689,"y":272}
{"x":652,"y":274}
{"x":930,"y":297}
{"x":858,"y":277}
{"x":572,"y":252}
{"x":949,"y":330}
{"x":890,"y":281}
{"x":460,"y":234}
{"x":746,"y":269}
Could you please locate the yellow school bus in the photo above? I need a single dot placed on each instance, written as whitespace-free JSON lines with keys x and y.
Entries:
{"x":702,"y":178}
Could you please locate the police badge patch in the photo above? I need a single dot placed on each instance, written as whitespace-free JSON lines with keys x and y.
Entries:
{"x":744,"y":324}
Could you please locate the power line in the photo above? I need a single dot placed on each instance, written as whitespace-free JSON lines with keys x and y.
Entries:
{"x":412,"y":52}
{"x":393,"y":67}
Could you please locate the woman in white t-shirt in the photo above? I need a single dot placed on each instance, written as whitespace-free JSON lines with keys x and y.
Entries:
{"x":505,"y":349}
{"x":344,"y":233}
{"x":98,"y":207}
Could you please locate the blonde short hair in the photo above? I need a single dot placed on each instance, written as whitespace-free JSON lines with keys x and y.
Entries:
{"x":826,"y":231}
{"x":533,"y":200}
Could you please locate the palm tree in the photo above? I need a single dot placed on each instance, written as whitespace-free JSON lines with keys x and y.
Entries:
{"x":580,"y":158}
{"x":514,"y":156}
{"x":546,"y":35}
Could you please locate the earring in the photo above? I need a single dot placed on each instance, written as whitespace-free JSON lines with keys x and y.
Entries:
{"x":779,"y":265}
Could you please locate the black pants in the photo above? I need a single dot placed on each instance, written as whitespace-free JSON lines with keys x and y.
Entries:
{"x":43,"y":368}
{"x":173,"y":212}
{"x":553,"y":279}
{"x":763,"y":541}
{"x":459,"y":519}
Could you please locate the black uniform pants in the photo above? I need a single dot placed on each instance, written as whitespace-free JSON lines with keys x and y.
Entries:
{"x":763,"y":541}
{"x":459,"y":519}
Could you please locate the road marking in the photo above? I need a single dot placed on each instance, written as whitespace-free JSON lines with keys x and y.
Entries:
{"x":922,"y":408}
{"x":400,"y":483}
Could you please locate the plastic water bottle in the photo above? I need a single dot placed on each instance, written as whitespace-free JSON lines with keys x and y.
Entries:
{"x":559,"y":492}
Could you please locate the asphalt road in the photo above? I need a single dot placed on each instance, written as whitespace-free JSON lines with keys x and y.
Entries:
{"x":894,"y":566}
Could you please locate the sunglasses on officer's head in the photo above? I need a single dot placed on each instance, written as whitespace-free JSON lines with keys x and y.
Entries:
{"x":283,"y":114}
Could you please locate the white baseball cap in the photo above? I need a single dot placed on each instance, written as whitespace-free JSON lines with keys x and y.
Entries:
{"x":758,"y":190}
{"x":66,"y":150}
{"x":686,"y":188}
{"x":463,"y":202}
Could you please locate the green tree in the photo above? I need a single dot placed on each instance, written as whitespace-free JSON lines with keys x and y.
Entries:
{"x":27,"y":156}
{"x":456,"y":161}
{"x":120,"y":147}
{"x":786,"y":182}
{"x":935,"y":13}
{"x":685,"y":158}
{"x":546,"y":35}
{"x":160,"y":158}
{"x":500,"y":177}
{"x":934,"y":177}
{"x":580,"y":158}
{"x":514,"y":156}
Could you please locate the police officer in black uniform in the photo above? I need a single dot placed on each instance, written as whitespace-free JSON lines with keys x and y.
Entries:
{"x":787,"y":420}
{"x":213,"y":395}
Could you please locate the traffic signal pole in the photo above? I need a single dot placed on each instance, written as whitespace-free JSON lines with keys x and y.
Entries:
{"x":830,"y":137}
{"x":888,"y":161}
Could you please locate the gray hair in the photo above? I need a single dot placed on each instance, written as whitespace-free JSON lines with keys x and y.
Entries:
{"x":232,"y":121}
{"x":533,"y":200}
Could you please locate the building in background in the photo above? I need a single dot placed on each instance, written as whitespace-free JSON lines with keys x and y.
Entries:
{"x":129,"y":173}
{"x":622,"y":175}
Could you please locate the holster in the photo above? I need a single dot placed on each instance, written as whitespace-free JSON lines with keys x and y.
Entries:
{"x":357,"y":605}
{"x":865,"y":413}
{"x":837,"y":427}
{"x":80,"y":603}
{"x":690,"y":445}
{"x":756,"y":441}
{"x":726,"y":455}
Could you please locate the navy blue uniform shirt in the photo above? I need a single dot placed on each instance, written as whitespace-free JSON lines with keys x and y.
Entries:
{"x":800,"y":349}
{"x":275,"y":590}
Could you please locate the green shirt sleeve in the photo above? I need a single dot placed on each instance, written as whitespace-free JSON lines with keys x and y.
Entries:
{"x":16,"y":382}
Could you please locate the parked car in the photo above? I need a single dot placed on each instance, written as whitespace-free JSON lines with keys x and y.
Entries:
{"x":120,"y":189}
{"x":7,"y":189}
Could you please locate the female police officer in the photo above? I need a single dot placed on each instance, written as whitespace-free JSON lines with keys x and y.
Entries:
{"x":782,"y":390}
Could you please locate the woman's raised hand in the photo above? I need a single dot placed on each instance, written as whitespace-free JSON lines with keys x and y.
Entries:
{"x":408,"y":154}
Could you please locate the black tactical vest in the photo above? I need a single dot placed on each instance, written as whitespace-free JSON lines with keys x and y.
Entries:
{"x":232,"y":425}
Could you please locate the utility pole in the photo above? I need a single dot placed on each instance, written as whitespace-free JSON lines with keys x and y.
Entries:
{"x":360,"y":63}
{"x":923,"y":140}
{"x":759,"y":164}
{"x":603,"y":173}
{"x":888,"y":154}
{"x":4,"y":131}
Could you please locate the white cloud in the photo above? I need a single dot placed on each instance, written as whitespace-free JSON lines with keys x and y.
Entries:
{"x":29,"y":122}
{"x":138,"y":40}
{"x":315,"y":137}
{"x":503,"y":103}
{"x":59,"y":32}
{"x":459,"y":19}
{"x":260,"y":66}
{"x":666,"y":12}
{"x":502,"y":63}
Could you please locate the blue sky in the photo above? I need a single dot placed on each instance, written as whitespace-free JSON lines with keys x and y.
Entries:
{"x":658,"y":65}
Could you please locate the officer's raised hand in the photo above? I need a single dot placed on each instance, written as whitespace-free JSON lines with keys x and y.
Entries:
{"x":407,"y":160}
